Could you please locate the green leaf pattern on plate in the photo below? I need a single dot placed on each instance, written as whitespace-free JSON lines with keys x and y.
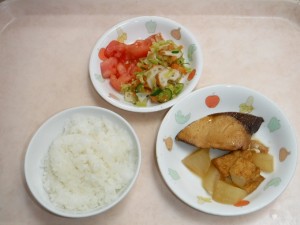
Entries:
{"x":201,"y":200}
{"x":98,"y":77}
{"x":151,"y":26}
{"x":274,"y":124}
{"x":191,"y":49}
{"x":181,"y":118}
{"x":173,"y":174}
{"x":247,"y":107}
{"x":122,"y":36}
{"x":274,"y":182}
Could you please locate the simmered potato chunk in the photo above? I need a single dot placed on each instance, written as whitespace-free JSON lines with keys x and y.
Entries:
{"x":227,"y":194}
{"x":210,"y":179}
{"x":198,"y":162}
{"x":264,"y":161}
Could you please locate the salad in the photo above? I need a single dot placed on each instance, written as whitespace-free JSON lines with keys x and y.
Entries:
{"x":151,"y":69}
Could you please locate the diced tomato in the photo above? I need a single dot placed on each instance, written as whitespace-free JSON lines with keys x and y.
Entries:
{"x":115,"y":49}
{"x":122,"y":71}
{"x":108,"y":67}
{"x":116,"y":82}
{"x":133,"y":69}
{"x":120,"y":60}
{"x":127,"y":69}
{"x":101,"y":54}
{"x":140,"y":48}
{"x":125,"y":73}
{"x":132,"y":51}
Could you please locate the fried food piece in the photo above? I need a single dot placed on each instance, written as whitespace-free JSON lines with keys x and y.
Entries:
{"x":243,"y":172}
{"x":250,"y":187}
{"x":238,"y":168}
{"x":225,"y":162}
{"x":227,"y":131}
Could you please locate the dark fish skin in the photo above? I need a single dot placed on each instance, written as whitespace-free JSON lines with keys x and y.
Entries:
{"x":250,"y":122}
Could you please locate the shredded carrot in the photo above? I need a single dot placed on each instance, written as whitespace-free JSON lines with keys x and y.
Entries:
{"x":178,"y":67}
{"x":173,"y":58}
{"x":170,"y":47}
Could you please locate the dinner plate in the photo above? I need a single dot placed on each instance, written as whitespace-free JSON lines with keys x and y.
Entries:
{"x":276,"y":132}
{"x":44,"y":137}
{"x":140,"y":28}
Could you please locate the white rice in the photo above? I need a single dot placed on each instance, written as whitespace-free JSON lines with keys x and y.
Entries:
{"x":89,"y":164}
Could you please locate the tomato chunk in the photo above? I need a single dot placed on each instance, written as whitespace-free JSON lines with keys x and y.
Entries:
{"x":108,"y":67}
{"x":115,"y":49}
{"x":140,"y":48}
{"x":117,"y":82}
{"x":101,"y":54}
{"x":122,"y":70}
{"x":120,"y":60}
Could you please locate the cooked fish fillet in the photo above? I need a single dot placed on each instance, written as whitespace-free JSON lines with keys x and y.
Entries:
{"x":227,"y":131}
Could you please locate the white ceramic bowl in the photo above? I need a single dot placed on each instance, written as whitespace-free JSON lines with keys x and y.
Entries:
{"x":141,"y":28}
{"x":39,"y":146}
{"x":276,"y":132}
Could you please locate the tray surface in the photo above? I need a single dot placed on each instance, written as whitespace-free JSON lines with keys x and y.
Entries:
{"x":44,"y":57}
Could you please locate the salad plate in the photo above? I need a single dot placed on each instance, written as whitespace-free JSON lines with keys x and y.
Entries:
{"x":141,"y":28}
{"x":275,"y":132}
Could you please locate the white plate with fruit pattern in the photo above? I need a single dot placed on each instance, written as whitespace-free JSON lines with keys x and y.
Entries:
{"x":276,"y":132}
{"x":140,"y":28}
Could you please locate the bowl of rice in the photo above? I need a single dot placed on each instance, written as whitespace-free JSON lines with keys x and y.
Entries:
{"x":82,"y":161}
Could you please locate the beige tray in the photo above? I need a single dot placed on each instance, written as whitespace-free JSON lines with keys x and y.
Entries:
{"x":44,"y":54}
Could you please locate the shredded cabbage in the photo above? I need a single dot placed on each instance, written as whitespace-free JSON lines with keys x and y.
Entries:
{"x":163,"y":68}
